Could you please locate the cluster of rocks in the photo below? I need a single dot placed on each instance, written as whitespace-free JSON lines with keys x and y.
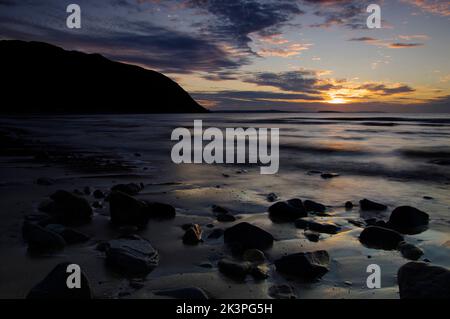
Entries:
{"x":297,"y":211}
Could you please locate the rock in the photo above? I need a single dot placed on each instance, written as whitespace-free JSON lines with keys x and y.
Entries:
{"x":380,"y":237}
{"x":348,"y":205}
{"x":418,"y":280}
{"x":254,"y":256}
{"x":216,"y":233}
{"x":287,"y":211}
{"x":219,"y":209}
{"x":193,"y":235}
{"x":329,"y":175}
{"x":428,"y":197}
{"x":189,"y":293}
{"x":45,"y":181}
{"x":97,"y":205}
{"x":54,"y":286}
{"x":366,"y":204}
{"x":312,"y":206}
{"x":355,"y":222}
{"x":260,"y":272}
{"x":282,"y":292}
{"x":41,"y":239}
{"x":160,"y":210}
{"x":234,"y":269}
{"x":129,"y":189}
{"x":312,"y":235}
{"x":70,"y":236}
{"x":271,"y":197}
{"x":328,"y":228}
{"x":206,"y":265}
{"x":409,"y":251}
{"x":87,"y":190}
{"x":126,"y":210}
{"x":98,"y":194}
{"x":408,"y":220}
{"x":309,"y":265}
{"x":131,"y":255}
{"x":226,"y":218}
{"x":248,"y":236}
{"x":69,"y":209}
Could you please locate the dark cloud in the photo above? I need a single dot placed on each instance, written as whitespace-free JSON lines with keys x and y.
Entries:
{"x":239,"y":18}
{"x":363,"y":39}
{"x":347,"y":13}
{"x":144,"y":43}
{"x":399,"y":45}
{"x":385,"y":90}
{"x":305,"y":81}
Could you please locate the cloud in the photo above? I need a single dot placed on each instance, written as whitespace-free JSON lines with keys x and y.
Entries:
{"x":347,"y":13}
{"x":414,"y":37}
{"x":285,"y":52}
{"x":390,"y":44}
{"x":363,"y":39}
{"x":143,"y":43}
{"x":237,"y":19}
{"x":436,"y":7}
{"x":305,"y":81}
{"x":400,"y":45}
{"x":383,"y":89}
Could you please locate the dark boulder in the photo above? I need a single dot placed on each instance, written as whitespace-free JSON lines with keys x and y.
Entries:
{"x":309,"y":265}
{"x":287,"y":211}
{"x":160,"y":210}
{"x":193,"y":235}
{"x":312,"y":206}
{"x":247,"y":236}
{"x":226,"y":218}
{"x":131,"y":255}
{"x":418,"y":280}
{"x":366,"y":204}
{"x":219,"y":209}
{"x":408,"y":220}
{"x":126,"y":210}
{"x":328,"y":228}
{"x":380,"y":237}
{"x":129,"y":189}
{"x":54,"y":286}
{"x":41,"y":239}
{"x":68,"y":208}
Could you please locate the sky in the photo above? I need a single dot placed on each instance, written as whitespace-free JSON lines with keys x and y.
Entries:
{"x":289,"y":55}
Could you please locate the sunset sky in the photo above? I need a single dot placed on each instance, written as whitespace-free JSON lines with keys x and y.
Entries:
{"x":302,"y":55}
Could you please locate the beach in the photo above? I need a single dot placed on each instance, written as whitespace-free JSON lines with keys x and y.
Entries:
{"x":394,"y":159}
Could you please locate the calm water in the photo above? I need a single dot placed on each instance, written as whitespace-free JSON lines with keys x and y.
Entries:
{"x":395,"y":158}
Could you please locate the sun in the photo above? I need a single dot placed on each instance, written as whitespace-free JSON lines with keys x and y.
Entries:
{"x":337,"y":100}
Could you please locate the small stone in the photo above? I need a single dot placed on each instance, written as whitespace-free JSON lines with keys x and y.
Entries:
{"x":312,"y":235}
{"x":193,"y":235}
{"x":226,"y":218}
{"x":234,"y":269}
{"x":312,"y":206}
{"x":271,"y":197}
{"x":254,"y":255}
{"x":348,"y":205}
{"x":409,"y":251}
{"x":329,"y":175}
{"x":366,"y":204}
{"x":309,"y":265}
